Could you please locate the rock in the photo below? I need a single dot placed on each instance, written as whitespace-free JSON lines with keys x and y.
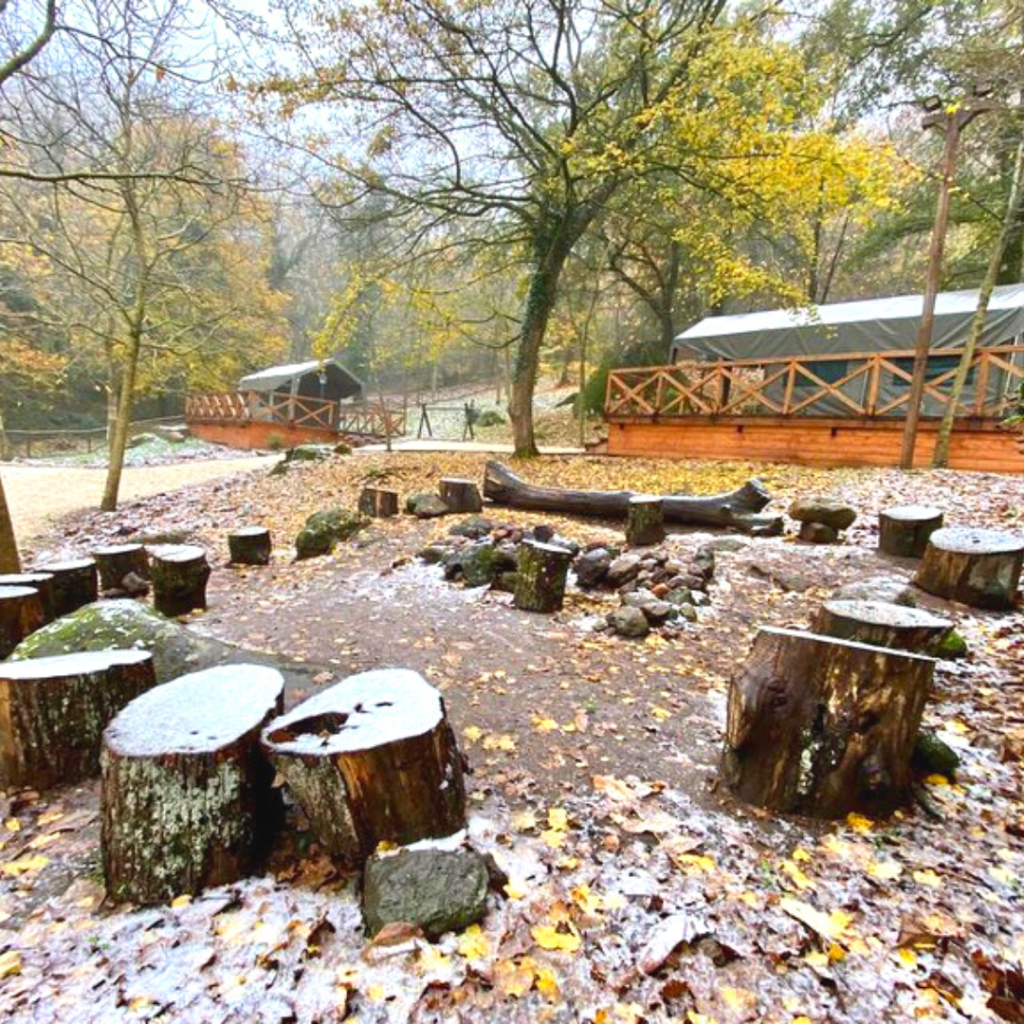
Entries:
{"x":324,"y":530}
{"x":175,"y":433}
{"x":436,"y":890}
{"x":950,"y":647}
{"x":134,"y":585}
{"x":729,"y":544}
{"x":592,"y":568}
{"x":341,"y":448}
{"x":473,"y":527}
{"x":818,"y":510}
{"x":478,"y":564}
{"x":628,"y":621}
{"x":140,"y":439}
{"x":543,"y":533}
{"x":426,"y":506}
{"x":656,"y":610}
{"x":623,"y":569}
{"x":783,"y":578}
{"x":433,"y":554}
{"x":818,"y":533}
{"x":687,"y":612}
{"x":933,"y":757}
{"x":703,"y":563}
{"x":893,"y":589}
{"x":506,"y":582}
{"x":309,"y":453}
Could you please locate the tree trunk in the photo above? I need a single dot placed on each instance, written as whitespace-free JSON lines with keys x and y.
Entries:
{"x":460,"y":495}
{"x":250,"y":545}
{"x":179,"y":576}
{"x":21,"y":613}
{"x":116,"y":561}
{"x":904,"y":530}
{"x":122,"y":422}
{"x":74,"y":584}
{"x":824,"y":727}
{"x":981,"y":568}
{"x":882,"y":624}
{"x":645,"y":521}
{"x":39,"y":581}
{"x":541,"y":576}
{"x":9,"y":560}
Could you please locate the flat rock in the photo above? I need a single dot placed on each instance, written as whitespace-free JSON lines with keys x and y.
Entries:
{"x":892,"y":589}
{"x":623,"y":569}
{"x":473,"y":527}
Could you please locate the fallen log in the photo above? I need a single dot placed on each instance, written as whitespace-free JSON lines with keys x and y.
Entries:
{"x":740,"y":508}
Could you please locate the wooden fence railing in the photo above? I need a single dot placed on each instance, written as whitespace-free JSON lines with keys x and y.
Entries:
{"x":846,"y":384}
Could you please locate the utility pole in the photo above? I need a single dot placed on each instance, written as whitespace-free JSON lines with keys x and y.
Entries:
{"x":952,"y":121}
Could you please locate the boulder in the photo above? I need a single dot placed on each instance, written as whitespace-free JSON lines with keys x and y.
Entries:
{"x":624,"y":569}
{"x":628,"y":621}
{"x":478,"y":564}
{"x":433,"y":554}
{"x":309,"y":453}
{"x":326,"y":529}
{"x":934,"y":757}
{"x":473,"y":527}
{"x":592,"y":568}
{"x":426,"y":506}
{"x":818,"y":533}
{"x":818,"y":510}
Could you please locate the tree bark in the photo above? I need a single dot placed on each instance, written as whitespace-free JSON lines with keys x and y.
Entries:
{"x":21,"y":613}
{"x":460,"y":495}
{"x":9,"y":559}
{"x":645,"y":521}
{"x":979,"y":567}
{"x":179,"y":576}
{"x":115,"y":561}
{"x":904,"y":530}
{"x":250,"y":545}
{"x":882,"y":624}
{"x":541,"y":576}
{"x":74,"y":584}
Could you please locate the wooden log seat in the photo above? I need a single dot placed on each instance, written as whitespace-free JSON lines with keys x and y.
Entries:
{"x":75,"y":583}
{"x":645,"y":521}
{"x":115,"y":561}
{"x":179,"y":574}
{"x":187,"y":800}
{"x":378,"y":502}
{"x":53,"y":712}
{"x":540,"y":577}
{"x":21,"y":613}
{"x":371,"y":759}
{"x":460,"y":495}
{"x":882,"y":624}
{"x":822,"y":726}
{"x":250,"y":545}
{"x":41,"y":581}
{"x":903,"y":530}
{"x":975,"y":566}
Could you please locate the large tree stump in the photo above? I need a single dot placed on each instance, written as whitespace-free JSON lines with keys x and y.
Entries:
{"x":21,"y":613}
{"x":378,"y":503}
{"x":541,"y":576}
{"x":370,"y":760}
{"x":179,"y":575}
{"x":75,"y":584}
{"x":250,"y":545}
{"x":882,"y":624}
{"x":904,"y":529}
{"x":116,"y":561}
{"x":822,"y":726}
{"x":53,"y":712}
{"x":41,"y":581}
{"x":187,"y":797}
{"x":645,"y":521}
{"x":460,"y":495}
{"x":978,"y":567}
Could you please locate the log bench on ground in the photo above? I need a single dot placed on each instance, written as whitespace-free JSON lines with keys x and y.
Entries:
{"x":372,"y":759}
{"x":41,"y":581}
{"x":978,"y":567}
{"x":250,"y":545}
{"x":903,"y":530}
{"x":882,"y":624}
{"x":179,"y":574}
{"x":187,"y":800}
{"x":21,"y":613}
{"x":822,"y":726}
{"x":53,"y":712}
{"x":75,"y":584}
{"x":115,"y":561}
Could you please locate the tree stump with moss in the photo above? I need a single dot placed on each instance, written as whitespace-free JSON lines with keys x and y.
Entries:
{"x":179,"y":575}
{"x":645,"y":521}
{"x":378,"y":502}
{"x":53,"y":712}
{"x":904,"y":529}
{"x":21,"y":613}
{"x":978,"y":567}
{"x":540,"y":577}
{"x":882,"y":625}
{"x":75,"y":584}
{"x":460,"y":495}
{"x":187,"y":800}
{"x":116,"y":561}
{"x":822,"y":726}
{"x":371,"y":760}
{"x":250,"y":545}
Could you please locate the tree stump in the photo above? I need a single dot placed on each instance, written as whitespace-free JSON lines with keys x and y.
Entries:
{"x":53,"y":712}
{"x":460,"y":495}
{"x":882,"y":625}
{"x":378,"y":503}
{"x":370,"y":760}
{"x":21,"y":613}
{"x":179,"y":575}
{"x":978,"y":567}
{"x":645,"y":521}
{"x":41,"y":581}
{"x":187,"y":798}
{"x":904,"y":529}
{"x":541,"y":576}
{"x":74,"y":584}
{"x":117,"y":561}
{"x":822,"y":726}
{"x":250,"y":545}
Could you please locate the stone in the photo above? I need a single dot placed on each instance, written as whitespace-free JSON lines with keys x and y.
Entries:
{"x":934,"y":757}
{"x":623,"y":569}
{"x":950,"y":647}
{"x":326,"y":529}
{"x":309,"y":453}
{"x":433,"y":554}
{"x":727,"y":544}
{"x":478,"y":564}
{"x":426,"y":506}
{"x":437,"y":890}
{"x":819,"y":510}
{"x":592,"y":568}
{"x":656,"y":610}
{"x":628,"y":622}
{"x":893,"y":589}
{"x":818,"y":533}
{"x":473,"y":527}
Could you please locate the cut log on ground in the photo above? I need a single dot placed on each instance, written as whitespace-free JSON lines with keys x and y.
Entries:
{"x":823,"y":727}
{"x":460,"y":495}
{"x":740,"y":508}
{"x":118,"y":560}
{"x":378,"y":503}
{"x":904,"y":529}
{"x":250,"y":545}
{"x":370,"y":760}
{"x":882,"y":625}
{"x":645,"y":521}
{"x":187,"y":796}
{"x":75,"y":584}
{"x":53,"y":712}
{"x":21,"y":613}
{"x":978,"y":567}
{"x":179,"y":575}
{"x":540,"y":577}
{"x":41,"y":581}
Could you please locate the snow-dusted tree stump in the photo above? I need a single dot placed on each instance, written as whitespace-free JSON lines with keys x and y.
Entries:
{"x":53,"y":712}
{"x":645,"y":521}
{"x":250,"y":545}
{"x":978,"y":567}
{"x":187,"y":797}
{"x":904,"y":529}
{"x":460,"y":495}
{"x":21,"y":613}
{"x":822,"y":726}
{"x":378,"y":502}
{"x":370,"y":760}
{"x":75,"y":583}
{"x":41,"y":581}
{"x":540,"y":576}
{"x":116,"y":561}
{"x":179,"y":576}
{"x":882,"y":624}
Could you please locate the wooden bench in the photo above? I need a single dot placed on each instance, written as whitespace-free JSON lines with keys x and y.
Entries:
{"x":903,"y":530}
